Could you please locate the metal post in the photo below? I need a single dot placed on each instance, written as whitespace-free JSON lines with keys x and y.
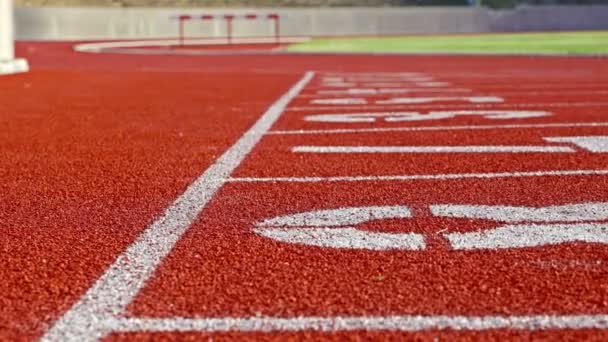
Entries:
{"x":277,"y":27}
{"x":277,"y":30}
{"x":181,"y":32}
{"x":8,"y":63}
{"x":182,"y":28}
{"x":229,"y":19}
{"x":7,"y":51}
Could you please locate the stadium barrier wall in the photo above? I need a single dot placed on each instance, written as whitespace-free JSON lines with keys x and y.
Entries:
{"x":144,"y":23}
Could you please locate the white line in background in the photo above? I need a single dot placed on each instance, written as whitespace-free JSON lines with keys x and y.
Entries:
{"x":467,"y":106}
{"x":560,"y":92}
{"x":416,"y":100}
{"x":433,"y":149}
{"x":367,"y":323}
{"x":88,"y":320}
{"x":373,"y":73}
{"x":385,"y":91}
{"x":446,"y":176}
{"x":438,"y":128}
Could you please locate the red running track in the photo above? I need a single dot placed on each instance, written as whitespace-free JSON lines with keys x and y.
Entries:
{"x":98,"y":146}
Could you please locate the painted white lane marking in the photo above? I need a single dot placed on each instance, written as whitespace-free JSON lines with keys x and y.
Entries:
{"x":534,"y":227}
{"x":560,"y":92}
{"x":595,"y":144}
{"x":387,"y":74}
{"x":438,"y":128}
{"x":432,"y":149}
{"x":327,"y":79}
{"x":368,"y":323}
{"x":385,"y":84}
{"x":380,"y":91}
{"x":543,"y":226}
{"x":416,"y":100}
{"x":338,"y":217}
{"x":529,"y":235}
{"x":433,"y":84}
{"x":333,"y":228}
{"x":416,"y":116}
{"x":448,"y":176}
{"x":339,"y":101}
{"x":557,"y":213}
{"x":121,"y":282}
{"x":542,"y":105}
{"x":339,"y":84}
{"x":344,"y":238}
{"x":389,"y":79}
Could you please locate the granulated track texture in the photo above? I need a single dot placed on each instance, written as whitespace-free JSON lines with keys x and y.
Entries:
{"x":96,"y":147}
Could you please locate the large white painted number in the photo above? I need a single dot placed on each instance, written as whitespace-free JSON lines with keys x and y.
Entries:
{"x":595,"y":144}
{"x":529,"y":227}
{"x":336,"y":228}
{"x":416,"y":116}
{"x":524,"y":227}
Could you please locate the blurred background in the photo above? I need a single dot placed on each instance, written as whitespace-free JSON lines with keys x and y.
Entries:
{"x":271,"y":3}
{"x":186,"y":20}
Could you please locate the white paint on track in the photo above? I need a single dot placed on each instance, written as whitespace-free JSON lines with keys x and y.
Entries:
{"x":417,"y":116}
{"x":530,"y":235}
{"x":353,"y":323}
{"x":466,"y":106}
{"x":528,"y":226}
{"x":432,"y":149}
{"x":375,"y":74}
{"x":338,"y":217}
{"x":417,"y":100}
{"x":106,"y":300}
{"x":433,"y":84}
{"x":345,"y":237}
{"x":447,"y":176}
{"x":339,"y":101}
{"x":381,"y":91}
{"x":439,"y":128}
{"x":557,"y":213}
{"x":594,"y":144}
{"x":334,"y":228}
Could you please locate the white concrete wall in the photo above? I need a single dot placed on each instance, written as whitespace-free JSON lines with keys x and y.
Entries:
{"x":139,"y":23}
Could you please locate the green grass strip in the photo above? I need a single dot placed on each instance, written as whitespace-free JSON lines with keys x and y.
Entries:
{"x":516,"y":43}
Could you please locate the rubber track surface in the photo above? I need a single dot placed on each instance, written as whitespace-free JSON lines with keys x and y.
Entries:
{"x":95,"y":147}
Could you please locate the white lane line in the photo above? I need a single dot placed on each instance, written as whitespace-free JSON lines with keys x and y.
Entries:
{"x":374,"y":74}
{"x":121,"y":282}
{"x":433,"y":84}
{"x":339,"y":101}
{"x":417,"y":100}
{"x":433,"y":149}
{"x":559,"y":92}
{"x":445,"y":176}
{"x":438,"y":128}
{"x":367,"y":323}
{"x":384,"y":91}
{"x":467,"y":106}
{"x":397,"y":116}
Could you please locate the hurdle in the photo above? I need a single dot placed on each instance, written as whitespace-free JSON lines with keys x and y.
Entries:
{"x":229,"y":19}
